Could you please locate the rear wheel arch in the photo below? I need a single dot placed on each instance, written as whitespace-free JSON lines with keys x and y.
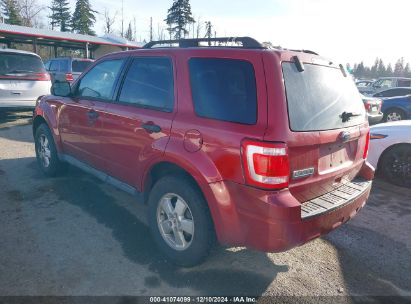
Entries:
{"x":38,"y":120}
{"x":165,"y":168}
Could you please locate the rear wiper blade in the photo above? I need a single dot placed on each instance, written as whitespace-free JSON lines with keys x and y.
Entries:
{"x":345,"y":116}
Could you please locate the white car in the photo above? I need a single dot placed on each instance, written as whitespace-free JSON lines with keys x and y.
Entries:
{"x":390,"y":151}
{"x":23,"y":78}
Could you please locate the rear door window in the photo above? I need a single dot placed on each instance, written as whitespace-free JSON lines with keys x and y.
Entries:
{"x":224,"y":89}
{"x":404,"y":83}
{"x":318,"y":97}
{"x":149,"y":84}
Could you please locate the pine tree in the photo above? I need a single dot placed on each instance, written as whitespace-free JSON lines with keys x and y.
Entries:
{"x":389,"y":71}
{"x":374,"y":69}
{"x":83,"y":18}
{"x":129,"y":33}
{"x":11,"y":11}
{"x":407,"y":70}
{"x":60,"y":15}
{"x":381,"y":70}
{"x":399,"y":67}
{"x":179,"y":16}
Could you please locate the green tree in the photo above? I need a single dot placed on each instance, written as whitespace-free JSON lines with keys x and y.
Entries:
{"x":11,"y":12}
{"x":83,"y":18}
{"x":389,"y":71}
{"x":381,"y":70}
{"x":129,"y":33}
{"x":399,"y":67}
{"x":374,"y":69}
{"x":60,"y":15}
{"x":359,"y":71}
{"x":179,"y":16}
{"x":407,"y":70}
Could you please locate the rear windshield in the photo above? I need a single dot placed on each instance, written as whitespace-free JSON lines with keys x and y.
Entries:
{"x":318,"y":96}
{"x":80,"y":65}
{"x":20,"y":63}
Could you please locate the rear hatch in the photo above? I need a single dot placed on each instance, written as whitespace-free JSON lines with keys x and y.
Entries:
{"x":328,"y":128}
{"x":22,"y":77}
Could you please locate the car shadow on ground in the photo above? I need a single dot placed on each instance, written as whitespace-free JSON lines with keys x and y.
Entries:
{"x":10,"y":116}
{"x":251,"y":271}
{"x":372,"y":259}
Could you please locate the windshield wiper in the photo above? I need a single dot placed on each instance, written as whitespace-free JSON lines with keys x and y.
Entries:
{"x":345,"y":116}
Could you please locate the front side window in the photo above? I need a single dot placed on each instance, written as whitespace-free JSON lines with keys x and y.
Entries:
{"x":99,"y":82}
{"x":224,"y":89}
{"x":149,"y":83}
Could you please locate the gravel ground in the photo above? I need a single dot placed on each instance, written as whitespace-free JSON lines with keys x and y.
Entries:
{"x":74,"y":235}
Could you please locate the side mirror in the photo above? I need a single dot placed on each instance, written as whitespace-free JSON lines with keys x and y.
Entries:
{"x":62,"y":89}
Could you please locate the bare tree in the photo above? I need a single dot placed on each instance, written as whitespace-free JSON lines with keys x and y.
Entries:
{"x":30,"y":12}
{"x":160,"y":32}
{"x":109,"y":21}
{"x":199,"y":27}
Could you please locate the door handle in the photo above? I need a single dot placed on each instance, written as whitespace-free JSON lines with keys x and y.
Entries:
{"x":92,"y":115}
{"x":151,"y":128}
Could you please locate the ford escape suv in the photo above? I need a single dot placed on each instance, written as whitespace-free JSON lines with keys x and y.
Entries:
{"x":255,"y":147}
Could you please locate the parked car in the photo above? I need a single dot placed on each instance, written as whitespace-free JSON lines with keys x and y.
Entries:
{"x":67,"y":68}
{"x":23,"y":79}
{"x":373,"y":108}
{"x":393,"y":92}
{"x":397,"y":108}
{"x":385,"y":83}
{"x":390,"y":151}
{"x":365,"y":86}
{"x":195,"y":133}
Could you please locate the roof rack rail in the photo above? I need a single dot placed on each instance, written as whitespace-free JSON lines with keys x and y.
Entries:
{"x":246,"y":42}
{"x":306,"y":51}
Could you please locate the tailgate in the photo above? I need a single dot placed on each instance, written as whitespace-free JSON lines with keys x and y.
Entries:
{"x":328,"y":129}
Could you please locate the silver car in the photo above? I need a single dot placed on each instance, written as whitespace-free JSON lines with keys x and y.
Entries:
{"x":23,"y":79}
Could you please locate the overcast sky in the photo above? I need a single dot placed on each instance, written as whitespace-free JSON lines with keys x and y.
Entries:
{"x":344,"y":30}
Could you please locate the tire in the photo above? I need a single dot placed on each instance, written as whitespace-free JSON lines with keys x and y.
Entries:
{"x":394,"y":114}
{"x":46,"y":152}
{"x":396,"y":165}
{"x":185,"y":202}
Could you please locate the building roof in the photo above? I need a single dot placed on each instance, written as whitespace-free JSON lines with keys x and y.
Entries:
{"x":66,"y":36}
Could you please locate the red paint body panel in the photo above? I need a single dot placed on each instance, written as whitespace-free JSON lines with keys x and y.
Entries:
{"x":210,"y":150}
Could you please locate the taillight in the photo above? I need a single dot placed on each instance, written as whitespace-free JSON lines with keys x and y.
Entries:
{"x":42,"y":76}
{"x":366,"y":146}
{"x":368,"y":105}
{"x":266,"y":165}
{"x":69,"y":77}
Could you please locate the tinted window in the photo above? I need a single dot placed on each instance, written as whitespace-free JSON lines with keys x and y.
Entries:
{"x":64,"y":65}
{"x":224,"y":89}
{"x":54,"y":66}
{"x":318,"y":96}
{"x":390,"y":93}
{"x":149,"y":83}
{"x":100,"y":80}
{"x":403,"y":83}
{"x":80,"y":65}
{"x":20,"y":63}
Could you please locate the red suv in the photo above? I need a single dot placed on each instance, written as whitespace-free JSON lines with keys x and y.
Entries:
{"x":256,"y":147}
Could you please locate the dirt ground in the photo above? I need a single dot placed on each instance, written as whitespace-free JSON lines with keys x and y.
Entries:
{"x":74,"y":235}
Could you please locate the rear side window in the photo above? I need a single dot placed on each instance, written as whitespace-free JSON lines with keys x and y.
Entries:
{"x":318,"y":97}
{"x":404,"y":83}
{"x":99,"y":82}
{"x":78,"y":66}
{"x":224,"y":89}
{"x":149,"y":83}
{"x":20,"y":63}
{"x":64,"y":65}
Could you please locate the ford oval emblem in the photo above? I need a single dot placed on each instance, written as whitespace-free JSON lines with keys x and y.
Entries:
{"x":345,"y":136}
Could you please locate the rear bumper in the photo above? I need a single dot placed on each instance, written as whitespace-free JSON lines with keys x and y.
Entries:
{"x":274,"y":221}
{"x":375,"y":118}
